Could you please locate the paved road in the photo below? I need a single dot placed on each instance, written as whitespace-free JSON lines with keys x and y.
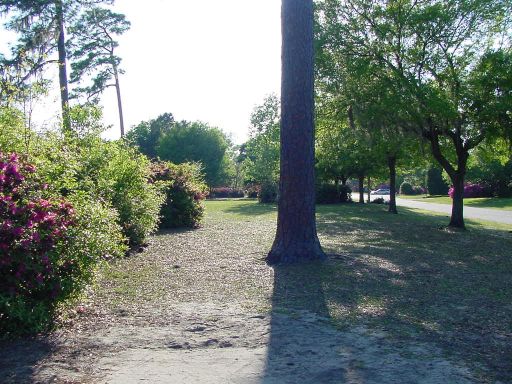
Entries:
{"x":496,"y":215}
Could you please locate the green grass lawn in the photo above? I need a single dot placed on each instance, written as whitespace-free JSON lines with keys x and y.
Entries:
{"x":482,"y":202}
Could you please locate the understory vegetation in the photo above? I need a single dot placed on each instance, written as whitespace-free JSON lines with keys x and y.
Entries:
{"x":71,"y":201}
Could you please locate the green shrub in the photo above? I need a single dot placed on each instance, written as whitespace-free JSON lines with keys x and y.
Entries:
{"x":406,"y":188}
{"x":185,"y":190}
{"x":268,"y":193}
{"x":49,"y":247}
{"x":435,"y":182}
{"x":327,"y":194}
{"x":124,"y":182}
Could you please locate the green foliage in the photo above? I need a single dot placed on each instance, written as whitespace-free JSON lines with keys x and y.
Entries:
{"x":146,"y":135}
{"x":197,"y":142}
{"x":91,"y":48}
{"x":49,"y":247}
{"x":13,"y":134}
{"x":185,"y":190}
{"x":406,"y":188}
{"x":123,"y":180}
{"x":268,"y":193}
{"x":261,"y":151}
{"x":327,"y":194}
{"x":435,"y":182}
{"x":112,"y":172}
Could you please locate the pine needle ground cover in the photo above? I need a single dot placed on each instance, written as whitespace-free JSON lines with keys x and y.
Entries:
{"x":410,"y":298}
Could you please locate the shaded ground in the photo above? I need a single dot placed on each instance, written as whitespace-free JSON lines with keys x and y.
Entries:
{"x":401,"y":299}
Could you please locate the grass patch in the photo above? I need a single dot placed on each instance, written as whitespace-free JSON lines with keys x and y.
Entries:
{"x":481,"y":202}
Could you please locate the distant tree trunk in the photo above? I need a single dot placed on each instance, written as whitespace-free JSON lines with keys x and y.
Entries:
{"x":63,"y":75}
{"x":456,"y":175}
{"x":296,"y":238}
{"x":343,"y":180}
{"x":119,"y":103}
{"x":361,"y":189}
{"x":369,"y":190}
{"x":392,"y":184}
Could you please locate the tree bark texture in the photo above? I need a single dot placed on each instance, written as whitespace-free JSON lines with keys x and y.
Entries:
{"x":63,"y":75}
{"x":296,"y":237}
{"x":392,"y":184}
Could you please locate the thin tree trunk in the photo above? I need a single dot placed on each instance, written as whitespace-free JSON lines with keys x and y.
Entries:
{"x":361,"y":189}
{"x":369,"y":190}
{"x":63,"y":76}
{"x":296,"y":238}
{"x":392,"y":184}
{"x":119,"y":103}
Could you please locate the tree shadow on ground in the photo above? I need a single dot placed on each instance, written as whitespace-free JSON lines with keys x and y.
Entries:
{"x":249,"y":209}
{"x":412,"y":279}
{"x":20,"y":359}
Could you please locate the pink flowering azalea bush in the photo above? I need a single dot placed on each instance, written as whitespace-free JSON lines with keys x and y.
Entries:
{"x":472,"y":190}
{"x":41,"y":264}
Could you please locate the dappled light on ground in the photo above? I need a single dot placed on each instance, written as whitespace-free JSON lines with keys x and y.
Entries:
{"x":398,"y":297}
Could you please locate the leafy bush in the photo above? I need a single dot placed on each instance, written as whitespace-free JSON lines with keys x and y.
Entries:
{"x":110,"y":172}
{"x":185,"y":189}
{"x":378,"y":200}
{"x":225,"y":192}
{"x":473,"y":190}
{"x":407,"y":189}
{"x":494,"y":175}
{"x":124,"y":182}
{"x":48,"y":251}
{"x":268,"y":193}
{"x":327,"y":194}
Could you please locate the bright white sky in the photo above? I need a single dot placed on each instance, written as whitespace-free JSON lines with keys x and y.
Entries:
{"x":198,"y":59}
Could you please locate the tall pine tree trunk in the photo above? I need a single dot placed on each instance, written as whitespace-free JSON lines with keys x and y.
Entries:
{"x":63,"y":75}
{"x":296,"y":238}
{"x":392,"y":183}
